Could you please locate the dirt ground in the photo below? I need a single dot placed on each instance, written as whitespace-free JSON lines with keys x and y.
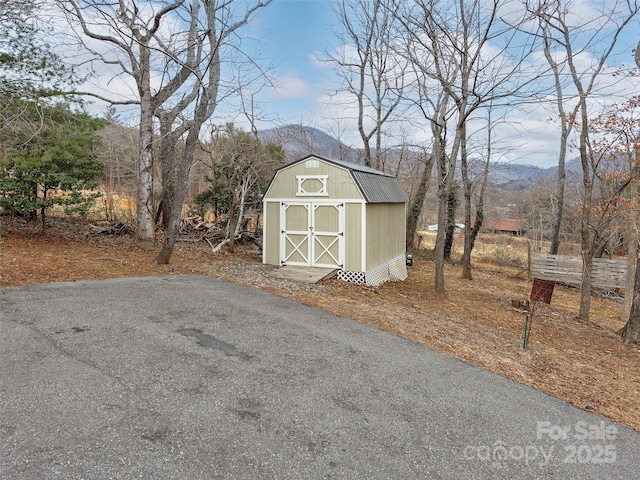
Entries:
{"x":585,"y":364}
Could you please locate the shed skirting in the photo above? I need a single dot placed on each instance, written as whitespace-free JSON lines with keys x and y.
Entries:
{"x":390,"y":271}
{"x":352,"y":277}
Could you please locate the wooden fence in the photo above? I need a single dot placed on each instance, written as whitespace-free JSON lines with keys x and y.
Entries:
{"x":567,"y":269}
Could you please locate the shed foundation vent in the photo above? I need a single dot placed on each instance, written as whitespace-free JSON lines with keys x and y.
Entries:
{"x":353,"y":277}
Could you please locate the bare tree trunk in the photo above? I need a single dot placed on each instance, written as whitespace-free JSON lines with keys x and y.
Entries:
{"x":145,"y":230}
{"x":585,"y":286}
{"x":233,"y":222}
{"x":632,"y":285}
{"x":417,"y":202}
{"x":566,"y":125}
{"x":179,"y":184}
{"x":440,"y":238}
{"x":471,"y":232}
{"x":452,"y":207}
{"x":587,"y":234}
{"x":170,"y":238}
{"x":633,"y":237}
{"x":467,"y":193}
{"x":43,"y":221}
{"x":446,"y":173}
{"x":168,"y":160}
{"x":560,"y":184}
{"x":631,"y":331}
{"x":241,"y":207}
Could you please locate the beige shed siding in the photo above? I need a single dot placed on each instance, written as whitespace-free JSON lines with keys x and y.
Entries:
{"x":340,"y":184}
{"x":271,"y":242}
{"x":326,"y":219}
{"x":353,"y":237}
{"x":385,"y":232}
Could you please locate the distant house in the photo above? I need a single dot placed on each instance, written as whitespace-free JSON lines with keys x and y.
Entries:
{"x":459,"y":227}
{"x":510,"y":227}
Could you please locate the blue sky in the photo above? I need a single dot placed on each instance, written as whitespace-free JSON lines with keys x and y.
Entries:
{"x":296,"y":29}
{"x":293,"y":33}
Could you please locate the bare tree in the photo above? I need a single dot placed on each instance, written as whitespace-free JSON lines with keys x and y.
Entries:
{"x":416,"y":199}
{"x":631,"y":307}
{"x":616,"y":140}
{"x":557,"y":19}
{"x":566,"y":126}
{"x":178,"y":45}
{"x":241,"y":167}
{"x":434,"y":104}
{"x":220,"y":22}
{"x":454,"y":46}
{"x":480,"y":197}
{"x":132,"y":32}
{"x":370,"y":69}
{"x":488,"y":77}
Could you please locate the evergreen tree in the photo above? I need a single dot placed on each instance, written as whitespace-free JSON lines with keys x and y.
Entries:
{"x":55,"y":167}
{"x":46,"y":149}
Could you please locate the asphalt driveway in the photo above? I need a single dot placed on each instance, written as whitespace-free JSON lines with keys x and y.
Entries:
{"x":189,"y":377}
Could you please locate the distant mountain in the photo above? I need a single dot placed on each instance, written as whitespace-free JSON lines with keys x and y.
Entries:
{"x":573,"y":171}
{"x":299,"y":141}
{"x":513,"y":176}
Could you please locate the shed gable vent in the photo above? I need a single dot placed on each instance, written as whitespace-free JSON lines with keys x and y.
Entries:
{"x":312,"y":164}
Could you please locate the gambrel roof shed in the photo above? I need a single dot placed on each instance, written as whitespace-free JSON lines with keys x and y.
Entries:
{"x":329,"y":213}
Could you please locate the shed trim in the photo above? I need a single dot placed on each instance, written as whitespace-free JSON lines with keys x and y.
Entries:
{"x":264,"y":229}
{"x":363,"y":240}
{"x":288,"y":199}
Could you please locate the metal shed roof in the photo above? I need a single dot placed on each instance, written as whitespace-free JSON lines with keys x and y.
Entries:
{"x":379,"y":188}
{"x":376,"y":186}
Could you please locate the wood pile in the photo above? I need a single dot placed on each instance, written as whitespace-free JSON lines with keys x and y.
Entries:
{"x":195,"y":229}
{"x":192,"y":229}
{"x":113,"y":229}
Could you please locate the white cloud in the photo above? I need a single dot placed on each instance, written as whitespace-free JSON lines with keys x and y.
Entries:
{"x":291,"y":87}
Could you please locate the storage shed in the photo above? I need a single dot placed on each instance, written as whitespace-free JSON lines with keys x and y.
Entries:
{"x":334,"y":214}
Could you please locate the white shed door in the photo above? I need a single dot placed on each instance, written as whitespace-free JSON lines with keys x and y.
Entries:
{"x":312,"y":234}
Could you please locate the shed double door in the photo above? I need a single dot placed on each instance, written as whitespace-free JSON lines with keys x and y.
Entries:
{"x":312,"y":234}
